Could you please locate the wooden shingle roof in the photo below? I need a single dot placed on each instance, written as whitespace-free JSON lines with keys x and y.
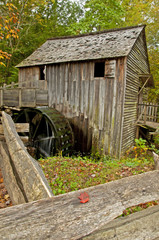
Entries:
{"x":106,"y":44}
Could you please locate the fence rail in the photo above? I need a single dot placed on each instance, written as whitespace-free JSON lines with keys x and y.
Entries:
{"x":38,"y":84}
{"x":148,"y":112}
{"x":24,"y":94}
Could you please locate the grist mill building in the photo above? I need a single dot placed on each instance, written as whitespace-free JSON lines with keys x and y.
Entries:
{"x":94,"y":81}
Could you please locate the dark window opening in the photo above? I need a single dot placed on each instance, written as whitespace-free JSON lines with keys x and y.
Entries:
{"x":99,"y":69}
{"x":42,"y":73}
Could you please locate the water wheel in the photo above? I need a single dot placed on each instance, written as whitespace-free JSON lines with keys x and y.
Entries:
{"x":49,"y":130}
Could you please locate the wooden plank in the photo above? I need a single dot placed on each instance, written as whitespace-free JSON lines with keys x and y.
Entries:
{"x":20,"y":127}
{"x":62,"y":85}
{"x":91,"y":101}
{"x":140,"y":225}
{"x":11,"y":97}
{"x":28,"y":97}
{"x":77,"y":90}
{"x":64,"y":217}
{"x":42,"y":97}
{"x":25,"y":139}
{"x":1,"y":97}
{"x":66,"y":83}
{"x":110,"y":68}
{"x":20,"y":98}
{"x":58,"y":80}
{"x":116,"y":79}
{"x":149,"y":124}
{"x":101,"y":104}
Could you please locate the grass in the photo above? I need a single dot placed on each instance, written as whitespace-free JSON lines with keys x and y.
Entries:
{"x":66,"y":174}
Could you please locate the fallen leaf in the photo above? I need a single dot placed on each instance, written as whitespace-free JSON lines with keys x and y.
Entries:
{"x":84,"y":197}
{"x":6,"y":197}
{"x":1,"y":180}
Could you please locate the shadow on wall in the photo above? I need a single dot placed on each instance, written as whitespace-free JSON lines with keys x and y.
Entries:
{"x":82,"y":134}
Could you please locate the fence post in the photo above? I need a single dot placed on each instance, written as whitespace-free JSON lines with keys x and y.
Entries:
{"x":145,"y":114}
{"x":20,"y":97}
{"x":12,"y":84}
{"x":1,"y":97}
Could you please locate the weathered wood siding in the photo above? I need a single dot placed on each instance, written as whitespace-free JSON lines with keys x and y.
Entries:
{"x":29,"y":74}
{"x":137,"y":63}
{"x":29,"y":77}
{"x":93,"y":105}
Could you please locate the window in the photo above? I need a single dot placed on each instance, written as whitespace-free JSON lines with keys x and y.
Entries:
{"x":99,"y":69}
{"x":42,"y":73}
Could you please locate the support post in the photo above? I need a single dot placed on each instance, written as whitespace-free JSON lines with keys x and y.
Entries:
{"x":145,"y":111}
{"x":1,"y":97}
{"x":20,"y":97}
{"x":137,"y":132}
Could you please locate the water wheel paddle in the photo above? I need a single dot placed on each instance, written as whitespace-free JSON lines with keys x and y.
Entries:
{"x":49,"y":130}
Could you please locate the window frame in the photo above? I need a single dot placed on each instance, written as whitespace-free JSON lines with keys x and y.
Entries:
{"x":98,"y":62}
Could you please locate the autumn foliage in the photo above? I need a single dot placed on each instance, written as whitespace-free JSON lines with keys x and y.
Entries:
{"x":8,"y":29}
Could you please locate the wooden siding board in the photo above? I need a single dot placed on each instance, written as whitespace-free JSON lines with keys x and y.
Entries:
{"x":69,"y":83}
{"x":105,"y":136}
{"x":58,"y":77}
{"x":96,"y":104}
{"x":101,"y":104}
{"x":52,"y":86}
{"x":48,"y":76}
{"x":110,"y":129}
{"x":91,"y":97}
{"x":52,"y":90}
{"x":61,"y":84}
{"x":137,"y":63}
{"x":93,"y":105}
{"x":86,"y":98}
{"x":29,"y":76}
{"x":77,"y":90}
{"x":114,"y":109}
{"x":66,"y":83}
{"x":120,"y":80}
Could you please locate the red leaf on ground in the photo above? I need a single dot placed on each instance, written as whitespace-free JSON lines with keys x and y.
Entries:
{"x":84,"y":197}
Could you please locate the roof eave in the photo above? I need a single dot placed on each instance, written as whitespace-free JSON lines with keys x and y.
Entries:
{"x":78,"y":60}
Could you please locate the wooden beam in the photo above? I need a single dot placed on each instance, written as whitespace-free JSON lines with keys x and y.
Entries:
{"x":64,"y":217}
{"x":137,"y":132}
{"x":145,"y":111}
{"x":25,"y":139}
{"x":1,"y":100}
{"x":140,"y":115}
{"x":20,"y":127}
{"x":144,"y":85}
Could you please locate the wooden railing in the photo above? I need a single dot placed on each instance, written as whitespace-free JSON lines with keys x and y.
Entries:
{"x":148,"y":112}
{"x":38,"y":84}
{"x":24,"y":94}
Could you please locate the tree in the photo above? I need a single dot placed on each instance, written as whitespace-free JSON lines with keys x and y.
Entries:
{"x":17,"y":18}
{"x":99,"y":15}
{"x":37,"y":21}
{"x":146,"y":12}
{"x":8,"y":31}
